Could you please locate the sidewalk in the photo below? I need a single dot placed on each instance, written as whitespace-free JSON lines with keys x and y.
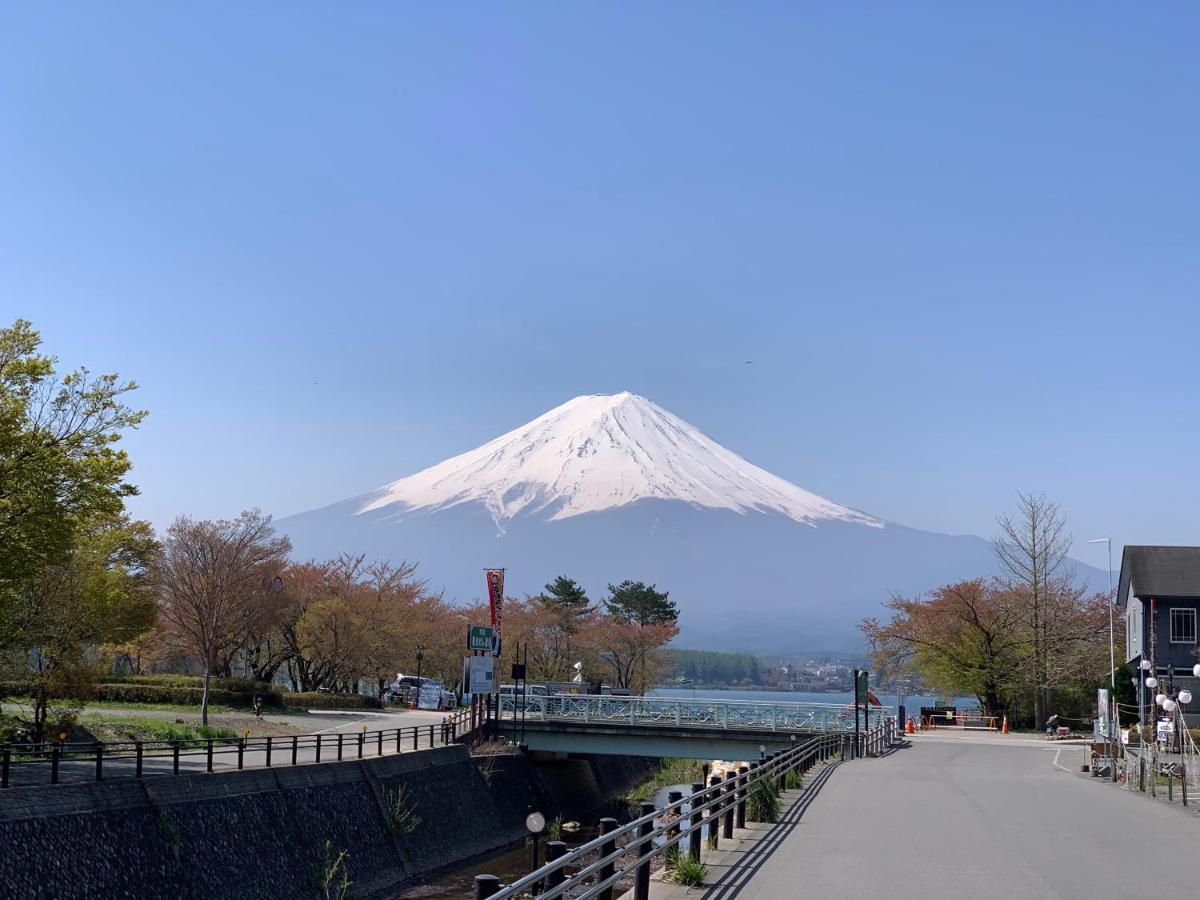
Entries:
{"x":736,"y":861}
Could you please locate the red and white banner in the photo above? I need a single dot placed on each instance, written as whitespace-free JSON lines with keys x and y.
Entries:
{"x":495,"y":585}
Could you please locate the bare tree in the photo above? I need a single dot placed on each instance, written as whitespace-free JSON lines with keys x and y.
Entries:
{"x":1032,"y":552}
{"x":210,"y":580}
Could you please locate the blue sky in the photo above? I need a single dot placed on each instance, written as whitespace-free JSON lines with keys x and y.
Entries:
{"x":336,"y":243}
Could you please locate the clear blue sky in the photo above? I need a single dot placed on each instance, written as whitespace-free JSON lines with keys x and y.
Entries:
{"x":336,"y":243}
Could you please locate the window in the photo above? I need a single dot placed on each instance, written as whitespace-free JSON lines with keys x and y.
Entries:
{"x":1183,"y":626}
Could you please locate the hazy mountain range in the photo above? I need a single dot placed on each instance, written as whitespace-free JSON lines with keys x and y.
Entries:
{"x":608,"y":487}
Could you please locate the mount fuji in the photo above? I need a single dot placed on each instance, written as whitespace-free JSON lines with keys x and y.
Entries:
{"x":609,"y":487}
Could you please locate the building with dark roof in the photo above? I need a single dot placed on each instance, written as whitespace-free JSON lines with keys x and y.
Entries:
{"x":1160,"y":592}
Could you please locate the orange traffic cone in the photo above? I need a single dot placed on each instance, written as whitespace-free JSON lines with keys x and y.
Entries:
{"x":1004,"y":728}
{"x":908,"y":729}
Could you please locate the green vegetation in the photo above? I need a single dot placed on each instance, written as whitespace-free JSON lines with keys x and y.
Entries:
{"x":793,"y":780}
{"x":175,"y":690}
{"x":710,"y":668}
{"x":672,"y":771}
{"x":685,"y":869}
{"x":323,"y":700}
{"x":138,"y":728}
{"x":633,"y":601}
{"x":763,"y":803}
{"x":333,"y":878}
{"x":402,"y":817}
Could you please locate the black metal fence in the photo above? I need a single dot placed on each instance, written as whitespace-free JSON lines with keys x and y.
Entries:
{"x":626,"y":851}
{"x":289,"y":750}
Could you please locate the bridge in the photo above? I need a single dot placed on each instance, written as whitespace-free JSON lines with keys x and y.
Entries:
{"x":688,"y":727}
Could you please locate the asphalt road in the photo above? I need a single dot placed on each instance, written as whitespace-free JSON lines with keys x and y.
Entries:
{"x":979,"y":819}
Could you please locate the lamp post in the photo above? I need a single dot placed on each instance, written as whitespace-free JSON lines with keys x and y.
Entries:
{"x":1112,"y":651}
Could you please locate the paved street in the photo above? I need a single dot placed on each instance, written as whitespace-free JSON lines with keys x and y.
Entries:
{"x":962,"y":817}
{"x":327,"y":724}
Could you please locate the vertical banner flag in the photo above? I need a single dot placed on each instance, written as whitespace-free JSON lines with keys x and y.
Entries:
{"x":495,"y":585}
{"x":1102,"y":715}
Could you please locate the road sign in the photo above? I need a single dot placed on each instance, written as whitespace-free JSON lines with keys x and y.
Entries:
{"x":479,"y":637}
{"x":477,"y":674}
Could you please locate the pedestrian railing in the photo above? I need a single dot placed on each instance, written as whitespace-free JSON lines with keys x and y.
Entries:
{"x":292,"y":750}
{"x":625,"y":852}
{"x":708,"y":713}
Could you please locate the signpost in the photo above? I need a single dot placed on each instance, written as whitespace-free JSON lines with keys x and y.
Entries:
{"x":479,"y":637}
{"x":477,"y":675}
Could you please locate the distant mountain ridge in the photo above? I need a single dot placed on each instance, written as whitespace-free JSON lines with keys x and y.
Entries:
{"x":608,"y":487}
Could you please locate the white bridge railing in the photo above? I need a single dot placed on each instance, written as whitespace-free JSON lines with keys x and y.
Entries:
{"x":691,"y":712}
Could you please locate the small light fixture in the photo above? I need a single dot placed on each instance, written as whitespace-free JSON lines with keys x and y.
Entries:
{"x":1160,"y":699}
{"x":1146,"y":665}
{"x":1169,"y":705}
{"x":1185,"y":697}
{"x":1151,"y":682}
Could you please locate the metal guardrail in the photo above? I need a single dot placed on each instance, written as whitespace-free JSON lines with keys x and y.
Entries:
{"x":708,"y":713}
{"x":316,"y":748}
{"x":627,"y":850}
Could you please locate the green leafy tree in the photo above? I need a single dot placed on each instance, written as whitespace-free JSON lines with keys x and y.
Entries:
{"x":99,"y":595}
{"x":633,"y":601}
{"x":566,"y":595}
{"x":59,"y":465}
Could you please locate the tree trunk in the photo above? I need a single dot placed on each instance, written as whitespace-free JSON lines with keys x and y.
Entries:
{"x":204,"y":696}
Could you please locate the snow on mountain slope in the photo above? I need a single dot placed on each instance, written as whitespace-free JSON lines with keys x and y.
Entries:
{"x":599,"y":452}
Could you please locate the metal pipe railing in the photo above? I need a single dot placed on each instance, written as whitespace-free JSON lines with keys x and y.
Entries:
{"x":107,"y":756}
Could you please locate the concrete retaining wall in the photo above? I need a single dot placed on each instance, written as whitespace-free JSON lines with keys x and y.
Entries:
{"x":263,"y":833}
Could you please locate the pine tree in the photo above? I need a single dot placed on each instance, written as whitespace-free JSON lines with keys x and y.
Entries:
{"x":633,"y":601}
{"x":566,"y":595}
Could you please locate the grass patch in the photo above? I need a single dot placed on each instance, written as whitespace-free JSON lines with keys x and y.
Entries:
{"x":763,"y":803}
{"x":793,"y":780}
{"x":157,"y":707}
{"x":134,"y":728}
{"x":684,"y":869}
{"x":672,"y":771}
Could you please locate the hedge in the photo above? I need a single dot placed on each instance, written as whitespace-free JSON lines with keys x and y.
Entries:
{"x":185,"y":690}
{"x":323,"y":700}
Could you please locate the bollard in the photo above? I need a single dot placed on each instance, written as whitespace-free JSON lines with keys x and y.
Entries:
{"x":210,"y":745}
{"x":486,"y":885}
{"x":138,"y":749}
{"x":607,"y":826}
{"x":340,"y":736}
{"x":99,"y":761}
{"x":241,"y":752}
{"x":397,"y":740}
{"x":727,"y":825}
{"x":362,"y":735}
{"x":743,"y":790}
{"x":673,"y":828}
{"x":697,"y":818}
{"x":379,"y":743}
{"x":780,"y":775}
{"x":54,"y":751}
{"x":268,"y":753}
{"x":430,"y":737}
{"x":641,"y":882}
{"x":555,"y":850}
{"x":415,"y":738}
{"x":174,"y":757}
{"x":295,"y":748}
{"x":714,"y":812}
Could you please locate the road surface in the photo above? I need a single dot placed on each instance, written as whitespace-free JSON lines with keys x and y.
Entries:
{"x":978,"y":818}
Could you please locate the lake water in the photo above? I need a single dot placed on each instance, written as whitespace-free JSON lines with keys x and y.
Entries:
{"x":912,"y":702}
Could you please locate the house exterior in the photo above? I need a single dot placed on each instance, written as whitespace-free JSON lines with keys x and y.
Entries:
{"x":1160,"y":593}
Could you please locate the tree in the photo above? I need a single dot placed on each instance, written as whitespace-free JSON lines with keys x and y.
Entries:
{"x":629,"y":649}
{"x":59,"y":468}
{"x":99,"y":595}
{"x":565,"y":595}
{"x":210,"y":578}
{"x":633,"y":601}
{"x":1032,"y":552}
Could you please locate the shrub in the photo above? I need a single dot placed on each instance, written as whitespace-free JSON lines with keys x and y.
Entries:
{"x":184,"y":690}
{"x":793,"y":780}
{"x":320,"y":700}
{"x":763,"y":803}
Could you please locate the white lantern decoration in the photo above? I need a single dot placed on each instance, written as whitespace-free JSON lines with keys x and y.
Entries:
{"x":1151,"y":682}
{"x":1185,"y":697}
{"x":1146,"y":666}
{"x":1169,"y":705}
{"x":1160,"y":699}
{"x":1196,"y":670}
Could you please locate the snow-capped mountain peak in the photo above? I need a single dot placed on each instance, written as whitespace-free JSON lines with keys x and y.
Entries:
{"x":602,"y":451}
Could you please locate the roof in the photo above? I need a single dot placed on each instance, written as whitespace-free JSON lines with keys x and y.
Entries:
{"x":1160,"y":572}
